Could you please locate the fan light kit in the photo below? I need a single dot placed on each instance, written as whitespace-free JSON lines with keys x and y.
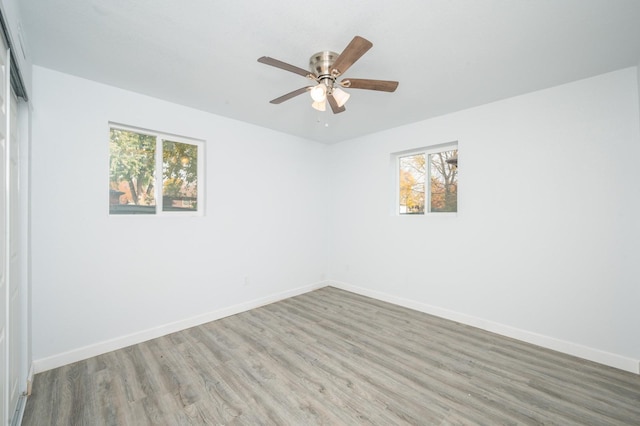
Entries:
{"x":325,"y":67}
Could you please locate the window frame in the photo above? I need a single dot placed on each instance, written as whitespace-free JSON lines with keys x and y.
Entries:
{"x":427,"y":151}
{"x":159,"y":181}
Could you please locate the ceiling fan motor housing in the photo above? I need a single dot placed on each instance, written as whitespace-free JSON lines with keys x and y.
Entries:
{"x":320,"y":64}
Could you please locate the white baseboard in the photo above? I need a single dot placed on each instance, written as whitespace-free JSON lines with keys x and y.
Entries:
{"x":30,"y":375}
{"x":99,"y":348}
{"x":584,"y":352}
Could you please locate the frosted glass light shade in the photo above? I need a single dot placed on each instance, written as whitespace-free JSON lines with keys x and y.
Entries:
{"x":320,"y":106}
{"x":340,"y":96}
{"x":319,"y":93}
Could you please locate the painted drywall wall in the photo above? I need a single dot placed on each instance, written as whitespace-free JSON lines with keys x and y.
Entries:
{"x":100,"y":281}
{"x":546,"y":242}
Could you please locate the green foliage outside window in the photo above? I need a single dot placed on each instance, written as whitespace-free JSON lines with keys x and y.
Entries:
{"x":180,"y":176}
{"x":132,"y":169}
{"x":133,"y":175}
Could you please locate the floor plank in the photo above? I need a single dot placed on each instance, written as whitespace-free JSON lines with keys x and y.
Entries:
{"x":333,"y":357}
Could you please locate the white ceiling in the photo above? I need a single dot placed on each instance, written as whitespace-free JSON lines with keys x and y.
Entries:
{"x":447,"y":55}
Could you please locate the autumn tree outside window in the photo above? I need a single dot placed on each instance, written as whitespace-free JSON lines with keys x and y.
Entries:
{"x":428,"y":180}
{"x":154,"y":173}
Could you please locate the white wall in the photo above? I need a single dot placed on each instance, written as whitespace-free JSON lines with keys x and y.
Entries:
{"x":101,"y":282}
{"x":546,"y":244}
{"x":544,"y":248}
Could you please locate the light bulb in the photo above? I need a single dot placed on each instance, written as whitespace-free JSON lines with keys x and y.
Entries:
{"x":319,"y":93}
{"x":340,"y":96}
{"x":320,"y":106}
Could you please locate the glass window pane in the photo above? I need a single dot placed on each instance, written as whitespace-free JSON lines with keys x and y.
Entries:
{"x":444,"y":181}
{"x":179,"y":176}
{"x":412,"y":179}
{"x":131,"y":173}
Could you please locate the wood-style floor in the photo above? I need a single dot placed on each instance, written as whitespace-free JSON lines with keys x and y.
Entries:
{"x":332,"y":357}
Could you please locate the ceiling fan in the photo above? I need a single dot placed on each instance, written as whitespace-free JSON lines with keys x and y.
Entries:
{"x":325,"y":67}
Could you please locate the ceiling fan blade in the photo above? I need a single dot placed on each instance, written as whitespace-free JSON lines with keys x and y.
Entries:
{"x":290,"y":95}
{"x":334,"y":105}
{"x":363,"y":83}
{"x":283,"y":65}
{"x":350,"y":54}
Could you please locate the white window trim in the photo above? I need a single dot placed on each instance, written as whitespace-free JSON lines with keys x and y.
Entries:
{"x":395,"y":161}
{"x":160,"y":137}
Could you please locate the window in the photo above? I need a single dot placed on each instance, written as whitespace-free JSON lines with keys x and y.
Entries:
{"x":139,"y":159}
{"x":428,"y":180}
